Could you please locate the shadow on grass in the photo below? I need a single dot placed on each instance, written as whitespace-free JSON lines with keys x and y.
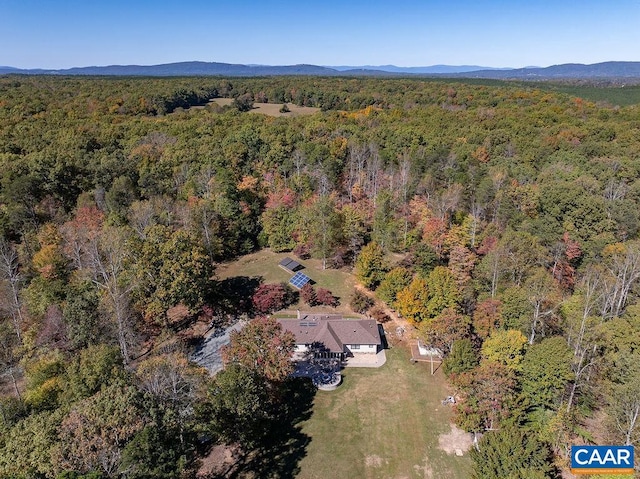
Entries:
{"x":280,"y":451}
{"x":233,"y":295}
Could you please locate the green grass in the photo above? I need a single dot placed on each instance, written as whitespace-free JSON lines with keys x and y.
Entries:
{"x":264,"y":264}
{"x":382,"y":423}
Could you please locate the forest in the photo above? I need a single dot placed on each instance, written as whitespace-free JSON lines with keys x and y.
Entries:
{"x":501,"y":219}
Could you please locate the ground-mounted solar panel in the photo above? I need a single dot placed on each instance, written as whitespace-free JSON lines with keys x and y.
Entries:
{"x":290,"y":264}
{"x":298,"y":280}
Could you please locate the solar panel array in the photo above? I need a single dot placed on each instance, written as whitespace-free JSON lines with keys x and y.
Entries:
{"x":307,"y":323}
{"x":290,"y":264}
{"x":299,"y":280}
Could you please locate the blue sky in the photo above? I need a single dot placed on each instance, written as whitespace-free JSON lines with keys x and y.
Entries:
{"x":66,"y":33}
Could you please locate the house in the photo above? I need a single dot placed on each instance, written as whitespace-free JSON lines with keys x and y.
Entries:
{"x":332,"y":336}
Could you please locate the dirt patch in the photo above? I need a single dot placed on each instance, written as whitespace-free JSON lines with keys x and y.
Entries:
{"x":373,"y":461}
{"x":272,"y":109}
{"x":218,"y":462}
{"x":455,"y":440}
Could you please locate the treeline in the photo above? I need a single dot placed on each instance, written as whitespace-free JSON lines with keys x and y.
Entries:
{"x":515,"y":210}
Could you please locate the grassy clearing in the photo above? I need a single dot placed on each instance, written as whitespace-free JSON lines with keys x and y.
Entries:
{"x":264,"y":264}
{"x":382,"y":423}
{"x":272,"y":109}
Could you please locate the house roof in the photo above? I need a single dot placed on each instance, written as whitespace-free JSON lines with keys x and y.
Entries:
{"x":332,"y":331}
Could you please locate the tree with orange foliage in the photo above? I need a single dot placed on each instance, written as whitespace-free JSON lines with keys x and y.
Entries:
{"x":412,"y":302}
{"x":487,"y":317}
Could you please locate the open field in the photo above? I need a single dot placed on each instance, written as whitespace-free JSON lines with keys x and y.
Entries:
{"x":271,"y":109}
{"x":264,"y":264}
{"x":383,"y":423}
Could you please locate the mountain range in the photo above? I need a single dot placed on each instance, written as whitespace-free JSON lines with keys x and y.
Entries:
{"x":606,"y":70}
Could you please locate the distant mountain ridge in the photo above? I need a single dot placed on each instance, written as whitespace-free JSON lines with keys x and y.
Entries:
{"x":605,"y":70}
{"x":437,"y":69}
{"x":566,"y":70}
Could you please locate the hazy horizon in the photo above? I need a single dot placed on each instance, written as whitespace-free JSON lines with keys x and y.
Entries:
{"x":406,"y":33}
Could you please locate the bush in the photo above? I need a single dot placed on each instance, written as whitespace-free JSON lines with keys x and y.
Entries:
{"x":379,"y":315}
{"x":360,"y":302}
{"x":272,"y":297}
{"x":326,"y":297}
{"x":302,"y":251}
{"x":308,"y":295}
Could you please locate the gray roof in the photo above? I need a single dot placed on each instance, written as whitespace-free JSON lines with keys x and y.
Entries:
{"x":332,"y":330}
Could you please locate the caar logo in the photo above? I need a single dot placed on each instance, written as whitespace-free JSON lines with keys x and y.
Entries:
{"x":602,"y":459}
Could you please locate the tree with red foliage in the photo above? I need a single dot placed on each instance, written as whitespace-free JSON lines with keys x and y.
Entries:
{"x":567,"y":253}
{"x":308,"y":295}
{"x":271,"y":297}
{"x":326,"y":297}
{"x":81,"y":234}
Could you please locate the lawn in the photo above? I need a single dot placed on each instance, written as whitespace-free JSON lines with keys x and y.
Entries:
{"x":382,"y":423}
{"x":264,"y":264}
{"x":272,"y":109}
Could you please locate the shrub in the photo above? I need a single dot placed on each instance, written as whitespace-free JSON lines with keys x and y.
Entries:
{"x":272,"y":297}
{"x":379,"y":315}
{"x":326,"y":297}
{"x":360,"y":302}
{"x":302,"y":251}
{"x":308,"y":295}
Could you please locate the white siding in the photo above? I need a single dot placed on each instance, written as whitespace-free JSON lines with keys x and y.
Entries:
{"x":362,"y":348}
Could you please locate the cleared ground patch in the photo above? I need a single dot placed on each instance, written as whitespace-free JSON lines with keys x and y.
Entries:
{"x":382,"y":423}
{"x":272,"y":109}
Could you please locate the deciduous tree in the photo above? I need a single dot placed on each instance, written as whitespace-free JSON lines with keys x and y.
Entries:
{"x":262,"y":347}
{"x":94,"y":433}
{"x":412,"y":302}
{"x":370,"y":266}
{"x":506,"y":347}
{"x":394,"y":281}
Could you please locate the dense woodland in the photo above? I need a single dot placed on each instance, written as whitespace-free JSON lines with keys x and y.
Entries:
{"x":514,"y":212}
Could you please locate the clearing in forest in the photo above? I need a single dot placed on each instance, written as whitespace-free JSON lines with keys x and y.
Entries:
{"x":264,"y":264}
{"x":272,"y":109}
